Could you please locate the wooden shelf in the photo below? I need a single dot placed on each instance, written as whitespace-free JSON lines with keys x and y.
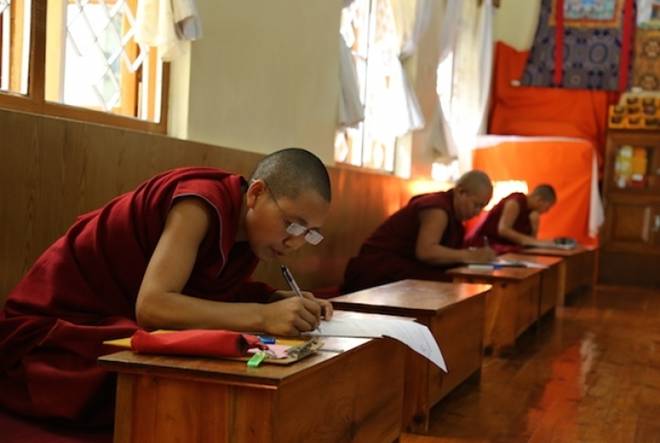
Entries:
{"x":630,"y":238}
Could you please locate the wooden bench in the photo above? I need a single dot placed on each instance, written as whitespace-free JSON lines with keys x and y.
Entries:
{"x":354,"y":394}
{"x":577,"y":271}
{"x":512,"y":305}
{"x":454,"y":313}
{"x":551,"y":284}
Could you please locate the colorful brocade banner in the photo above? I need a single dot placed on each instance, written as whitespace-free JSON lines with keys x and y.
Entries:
{"x":646,"y":68}
{"x":592,"y":40}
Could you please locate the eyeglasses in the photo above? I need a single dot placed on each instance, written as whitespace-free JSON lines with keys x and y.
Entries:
{"x":312,"y":236}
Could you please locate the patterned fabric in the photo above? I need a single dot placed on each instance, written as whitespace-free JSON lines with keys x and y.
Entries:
{"x":646,"y":68}
{"x":593,"y":38}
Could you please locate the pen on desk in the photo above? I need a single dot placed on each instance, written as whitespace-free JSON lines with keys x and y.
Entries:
{"x":288,"y":276}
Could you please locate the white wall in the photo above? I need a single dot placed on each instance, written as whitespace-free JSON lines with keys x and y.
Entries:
{"x":516,"y":21}
{"x":264,"y":76}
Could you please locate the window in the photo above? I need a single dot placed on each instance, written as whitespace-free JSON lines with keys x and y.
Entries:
{"x":86,"y":65}
{"x":368,"y":28}
{"x":14,"y":45}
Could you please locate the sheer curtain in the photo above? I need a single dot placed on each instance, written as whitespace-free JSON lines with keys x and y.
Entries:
{"x":378,"y":92}
{"x":351,"y":111}
{"x":167,"y":25}
{"x":411,"y":117}
{"x":464,"y":78}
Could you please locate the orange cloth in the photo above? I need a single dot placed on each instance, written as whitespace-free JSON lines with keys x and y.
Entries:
{"x":545,"y":111}
{"x":564,"y":164}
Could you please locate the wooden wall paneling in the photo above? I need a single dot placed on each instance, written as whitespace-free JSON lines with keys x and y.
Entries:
{"x":53,"y":170}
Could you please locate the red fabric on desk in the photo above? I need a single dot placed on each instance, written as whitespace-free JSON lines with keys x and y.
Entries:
{"x":196,"y":342}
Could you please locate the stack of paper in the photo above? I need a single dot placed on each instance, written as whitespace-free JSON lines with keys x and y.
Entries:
{"x":412,"y":334}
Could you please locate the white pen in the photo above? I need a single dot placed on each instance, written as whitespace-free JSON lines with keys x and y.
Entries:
{"x":288,"y":276}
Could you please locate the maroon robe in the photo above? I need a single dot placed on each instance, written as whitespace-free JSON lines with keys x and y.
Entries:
{"x":388,"y":255}
{"x":83,"y":289}
{"x":488,"y":227}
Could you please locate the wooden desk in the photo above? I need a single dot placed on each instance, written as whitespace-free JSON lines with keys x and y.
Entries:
{"x":578,"y":269}
{"x":512,"y":305}
{"x":355,"y":395}
{"x":455,"y":315}
{"x":551,"y":285}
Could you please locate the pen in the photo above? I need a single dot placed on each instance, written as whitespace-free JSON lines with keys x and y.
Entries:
{"x":486,"y":243}
{"x":290,"y":280}
{"x":288,"y":276}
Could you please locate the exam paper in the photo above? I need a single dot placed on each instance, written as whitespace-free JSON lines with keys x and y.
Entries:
{"x":501,"y":263}
{"x":530,"y":264}
{"x":412,"y":334}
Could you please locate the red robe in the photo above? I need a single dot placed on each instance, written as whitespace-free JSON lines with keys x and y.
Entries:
{"x":83,"y":289}
{"x":488,"y":227}
{"x":388,"y":255}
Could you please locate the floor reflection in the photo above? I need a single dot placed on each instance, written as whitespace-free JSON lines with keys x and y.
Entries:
{"x":592,"y":374}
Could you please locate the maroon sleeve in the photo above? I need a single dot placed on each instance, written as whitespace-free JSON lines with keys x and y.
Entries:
{"x":255,"y":292}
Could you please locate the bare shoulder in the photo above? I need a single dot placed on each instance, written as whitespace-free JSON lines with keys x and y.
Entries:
{"x":433,"y":215}
{"x":189,"y":214}
{"x":511,"y":204}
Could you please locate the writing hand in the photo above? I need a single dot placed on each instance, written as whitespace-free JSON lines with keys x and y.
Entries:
{"x":480,"y":255}
{"x":326,"y":306}
{"x":291,"y":316}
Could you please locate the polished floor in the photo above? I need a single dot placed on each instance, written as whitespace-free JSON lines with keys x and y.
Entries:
{"x":591,"y":374}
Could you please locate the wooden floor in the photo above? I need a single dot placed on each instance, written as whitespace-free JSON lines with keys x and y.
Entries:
{"x":590,"y":375}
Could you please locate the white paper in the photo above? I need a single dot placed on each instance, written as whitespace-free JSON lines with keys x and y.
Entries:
{"x":531,"y":264}
{"x":503,"y":264}
{"x":414,"y":335}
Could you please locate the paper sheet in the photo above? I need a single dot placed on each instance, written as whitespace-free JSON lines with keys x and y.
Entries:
{"x":412,"y":334}
{"x":501,"y":263}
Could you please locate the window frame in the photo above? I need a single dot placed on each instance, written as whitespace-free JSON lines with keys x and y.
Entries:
{"x":35,"y":100}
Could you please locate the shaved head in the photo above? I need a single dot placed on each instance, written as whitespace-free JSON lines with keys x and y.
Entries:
{"x":475,"y":182}
{"x":290,"y":171}
{"x":546,"y":193}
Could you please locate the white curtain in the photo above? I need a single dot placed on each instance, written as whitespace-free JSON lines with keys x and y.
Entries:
{"x":351,"y":111}
{"x":412,"y":117}
{"x":167,"y":25}
{"x":464,"y":78}
{"x":405,"y":101}
{"x":392,"y":47}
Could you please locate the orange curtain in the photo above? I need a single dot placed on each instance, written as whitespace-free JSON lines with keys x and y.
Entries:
{"x":545,"y":111}
{"x":565,"y":164}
